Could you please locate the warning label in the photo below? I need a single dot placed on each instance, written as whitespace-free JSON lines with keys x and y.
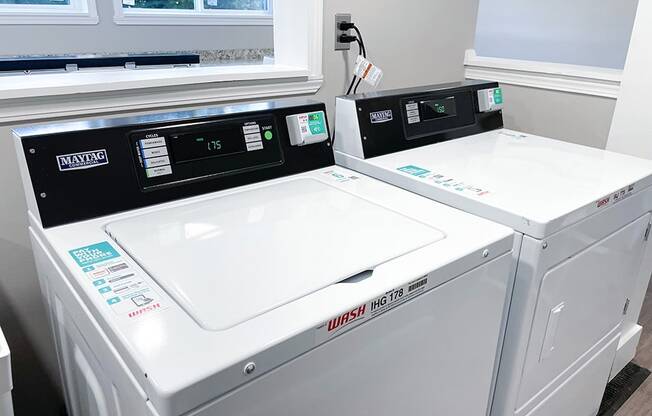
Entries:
{"x":375,"y":307}
{"x":115,"y":281}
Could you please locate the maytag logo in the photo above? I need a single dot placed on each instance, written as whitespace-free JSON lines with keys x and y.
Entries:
{"x":381,"y":116}
{"x":83,"y":160}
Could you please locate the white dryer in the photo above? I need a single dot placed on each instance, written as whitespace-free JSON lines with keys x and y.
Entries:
{"x":6,"y":384}
{"x":583,"y":214}
{"x":216,"y":262}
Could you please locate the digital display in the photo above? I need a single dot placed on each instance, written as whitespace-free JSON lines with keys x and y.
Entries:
{"x":440,"y":108}
{"x":210,"y":143}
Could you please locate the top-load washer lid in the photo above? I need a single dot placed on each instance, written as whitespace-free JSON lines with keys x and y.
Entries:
{"x":229,"y":259}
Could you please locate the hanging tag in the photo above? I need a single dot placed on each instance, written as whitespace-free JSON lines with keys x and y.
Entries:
{"x":128,"y":2}
{"x":367,"y":71}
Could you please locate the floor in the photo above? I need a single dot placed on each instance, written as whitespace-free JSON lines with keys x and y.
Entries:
{"x":24,"y":361}
{"x":640,"y":404}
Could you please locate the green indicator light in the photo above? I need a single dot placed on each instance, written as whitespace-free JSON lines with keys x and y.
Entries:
{"x":269,"y":135}
{"x":199,"y":139}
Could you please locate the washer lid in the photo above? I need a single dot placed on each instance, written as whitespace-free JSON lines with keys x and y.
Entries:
{"x":232,"y":258}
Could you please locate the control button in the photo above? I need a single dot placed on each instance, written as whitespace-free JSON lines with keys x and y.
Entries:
{"x":413,"y":113}
{"x":412,"y":106}
{"x":155,"y":152}
{"x":157,"y":161}
{"x":254,"y":146}
{"x":249,"y":138}
{"x":160,"y":171}
{"x":269,"y":135}
{"x":413,"y":120}
{"x":155,"y":142}
{"x":255,"y":128}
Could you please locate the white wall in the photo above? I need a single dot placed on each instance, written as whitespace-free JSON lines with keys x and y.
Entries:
{"x":580,"y":32}
{"x":410,"y":56}
{"x":631,"y":132}
{"x":107,"y":37}
{"x":575,"y":118}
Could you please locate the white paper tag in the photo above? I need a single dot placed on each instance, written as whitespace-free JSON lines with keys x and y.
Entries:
{"x":367,"y":71}
{"x":212,"y":2}
{"x":129,"y":2}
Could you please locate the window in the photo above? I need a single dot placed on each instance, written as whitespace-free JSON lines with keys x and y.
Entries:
{"x":48,"y":12}
{"x":189,"y":12}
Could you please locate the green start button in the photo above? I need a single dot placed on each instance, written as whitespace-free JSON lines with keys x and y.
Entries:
{"x":269,"y":135}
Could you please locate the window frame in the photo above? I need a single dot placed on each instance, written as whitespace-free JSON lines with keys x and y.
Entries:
{"x":297,"y":70}
{"x":201,"y":16}
{"x":78,"y":12}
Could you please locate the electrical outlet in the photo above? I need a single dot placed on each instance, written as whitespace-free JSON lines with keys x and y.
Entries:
{"x":339,"y":18}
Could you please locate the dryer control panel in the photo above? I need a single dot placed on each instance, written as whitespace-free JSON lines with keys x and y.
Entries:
{"x":82,"y":170}
{"x":379,"y":123}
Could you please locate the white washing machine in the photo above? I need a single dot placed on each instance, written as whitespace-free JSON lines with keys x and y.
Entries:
{"x":6,"y":384}
{"x":583,"y":213}
{"x":216,"y":262}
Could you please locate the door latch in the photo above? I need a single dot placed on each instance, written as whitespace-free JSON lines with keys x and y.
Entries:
{"x":647,"y":232}
{"x":626,"y":307}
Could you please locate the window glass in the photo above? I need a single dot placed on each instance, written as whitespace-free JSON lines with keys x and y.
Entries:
{"x":162,"y":4}
{"x":236,"y":4}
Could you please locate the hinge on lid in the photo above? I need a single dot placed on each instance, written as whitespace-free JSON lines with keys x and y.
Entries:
{"x":626,"y":308}
{"x":647,"y":232}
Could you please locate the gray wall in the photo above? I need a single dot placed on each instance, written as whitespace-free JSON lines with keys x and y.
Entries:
{"x":410,"y":56}
{"x":107,"y":37}
{"x":404,"y":55}
{"x":581,"y":32}
{"x":575,"y":118}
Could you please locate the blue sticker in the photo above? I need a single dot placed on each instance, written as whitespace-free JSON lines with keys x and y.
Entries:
{"x":113,"y":301}
{"x":96,"y":253}
{"x":88,"y":269}
{"x":99,"y":282}
{"x":105,"y":289}
{"x":414,"y":170}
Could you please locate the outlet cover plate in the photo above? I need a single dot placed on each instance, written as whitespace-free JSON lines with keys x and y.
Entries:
{"x":339,"y":18}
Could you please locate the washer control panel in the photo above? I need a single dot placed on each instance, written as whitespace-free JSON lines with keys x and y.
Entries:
{"x":174,"y":154}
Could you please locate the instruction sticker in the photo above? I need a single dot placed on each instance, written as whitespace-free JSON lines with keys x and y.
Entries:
{"x":375,"y":307}
{"x":120,"y":286}
{"x":443,"y":181}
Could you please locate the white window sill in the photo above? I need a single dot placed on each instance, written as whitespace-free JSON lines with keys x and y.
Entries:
{"x":29,"y":97}
{"x":190,"y":19}
{"x":601,"y":82}
{"x":72,"y":18}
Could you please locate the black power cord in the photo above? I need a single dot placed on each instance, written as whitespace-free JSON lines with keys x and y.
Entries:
{"x":361,"y":47}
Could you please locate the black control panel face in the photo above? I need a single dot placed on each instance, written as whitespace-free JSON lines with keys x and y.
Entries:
{"x":423,"y":114}
{"x":94,"y":168}
{"x":396,"y":120}
{"x":173,"y":155}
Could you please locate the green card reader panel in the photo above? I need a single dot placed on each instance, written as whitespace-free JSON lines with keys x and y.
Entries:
{"x":307,"y":128}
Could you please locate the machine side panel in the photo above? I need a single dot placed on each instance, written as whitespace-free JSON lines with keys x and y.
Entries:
{"x":111,"y":387}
